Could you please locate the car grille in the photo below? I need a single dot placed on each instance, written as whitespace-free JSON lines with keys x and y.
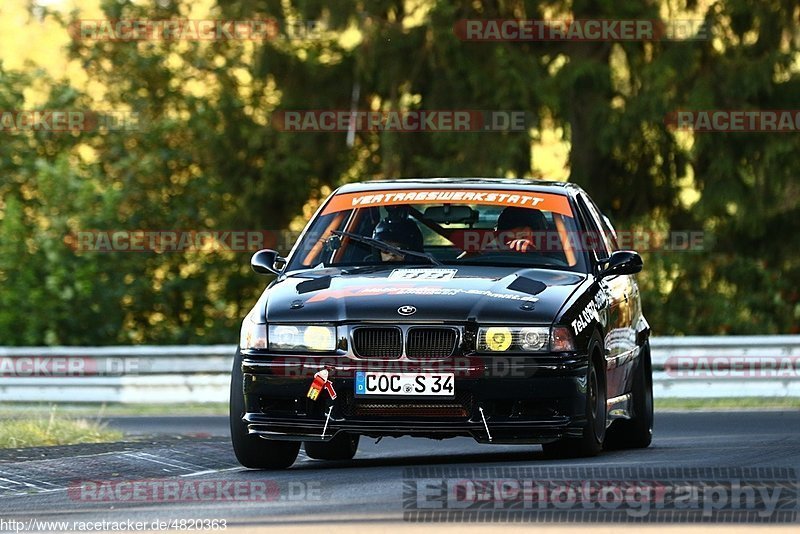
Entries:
{"x":431,"y":343}
{"x":378,"y":342}
{"x":422,"y":343}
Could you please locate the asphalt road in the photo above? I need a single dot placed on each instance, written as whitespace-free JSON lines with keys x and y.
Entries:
{"x":198,"y":426}
{"x":402,"y":480}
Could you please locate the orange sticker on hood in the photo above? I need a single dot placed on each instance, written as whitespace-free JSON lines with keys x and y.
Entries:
{"x":395,"y":197}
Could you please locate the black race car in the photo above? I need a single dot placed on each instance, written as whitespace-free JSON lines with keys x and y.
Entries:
{"x":493,"y":308}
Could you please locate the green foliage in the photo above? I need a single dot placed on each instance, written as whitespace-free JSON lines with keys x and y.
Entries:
{"x":207,"y":157}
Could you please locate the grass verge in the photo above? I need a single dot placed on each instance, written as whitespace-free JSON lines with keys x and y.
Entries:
{"x":94,"y":410}
{"x":53,"y":429}
{"x":733,"y":403}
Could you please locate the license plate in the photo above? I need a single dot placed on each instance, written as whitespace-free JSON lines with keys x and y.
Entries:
{"x":405,"y":384}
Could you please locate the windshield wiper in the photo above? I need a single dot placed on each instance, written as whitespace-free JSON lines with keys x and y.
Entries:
{"x":380,"y":245}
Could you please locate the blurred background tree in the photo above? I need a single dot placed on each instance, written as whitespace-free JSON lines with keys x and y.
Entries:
{"x":206,"y":155}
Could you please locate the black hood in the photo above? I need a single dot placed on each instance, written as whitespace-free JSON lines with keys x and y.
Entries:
{"x":485,"y":294}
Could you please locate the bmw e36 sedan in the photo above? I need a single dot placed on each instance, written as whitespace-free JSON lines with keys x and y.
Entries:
{"x":499,"y":309}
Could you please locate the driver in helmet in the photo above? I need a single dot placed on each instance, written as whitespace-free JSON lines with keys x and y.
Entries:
{"x":517,"y":228}
{"x":398,"y":230}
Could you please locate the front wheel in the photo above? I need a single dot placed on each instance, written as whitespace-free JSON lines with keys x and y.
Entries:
{"x":252,"y":451}
{"x":591,"y":442}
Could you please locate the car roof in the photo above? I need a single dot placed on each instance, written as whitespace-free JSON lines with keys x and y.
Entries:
{"x":516,"y":184}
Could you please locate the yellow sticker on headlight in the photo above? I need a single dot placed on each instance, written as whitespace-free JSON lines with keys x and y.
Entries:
{"x":318,"y":338}
{"x":498,"y":339}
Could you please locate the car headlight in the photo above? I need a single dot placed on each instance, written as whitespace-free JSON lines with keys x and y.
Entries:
{"x":514,"y":339}
{"x":253,"y":335}
{"x":314,"y":338}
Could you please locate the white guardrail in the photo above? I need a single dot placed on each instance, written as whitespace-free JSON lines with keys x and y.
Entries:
{"x":683,"y":367}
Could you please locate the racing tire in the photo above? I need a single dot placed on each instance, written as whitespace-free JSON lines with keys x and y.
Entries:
{"x":594,"y":432}
{"x":341,"y":447}
{"x":636,"y":432}
{"x":252,"y":451}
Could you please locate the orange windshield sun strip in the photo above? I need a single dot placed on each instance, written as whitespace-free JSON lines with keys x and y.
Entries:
{"x":491,"y":197}
{"x":351,"y":225}
{"x":564,"y":236}
{"x":317,"y":248}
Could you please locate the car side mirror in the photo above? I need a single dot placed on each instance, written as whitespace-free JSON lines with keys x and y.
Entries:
{"x":267,"y":261}
{"x":621,"y":262}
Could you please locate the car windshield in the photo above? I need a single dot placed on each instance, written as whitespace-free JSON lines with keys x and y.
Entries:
{"x":447,"y":226}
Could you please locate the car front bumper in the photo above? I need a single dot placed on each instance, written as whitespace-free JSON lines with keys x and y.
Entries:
{"x":520,"y":399}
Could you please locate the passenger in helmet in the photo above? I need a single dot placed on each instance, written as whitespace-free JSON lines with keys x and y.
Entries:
{"x":516,"y":228}
{"x":399,"y":231}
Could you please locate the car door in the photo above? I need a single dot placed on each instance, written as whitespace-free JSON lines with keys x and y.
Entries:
{"x":619,"y":337}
